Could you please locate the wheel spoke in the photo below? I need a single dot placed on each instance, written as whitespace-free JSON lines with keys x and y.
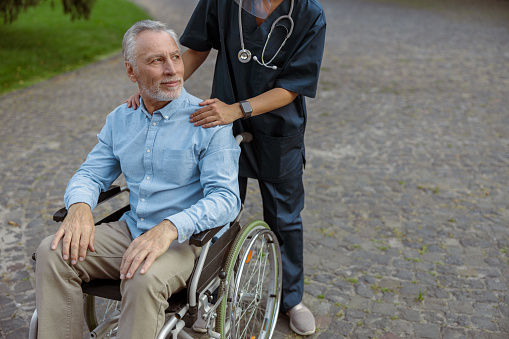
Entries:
{"x":254,"y":271}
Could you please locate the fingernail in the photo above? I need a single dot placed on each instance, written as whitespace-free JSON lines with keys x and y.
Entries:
{"x":73,"y":262}
{"x":53,"y":247}
{"x":66,"y":257}
{"x":81,"y":259}
{"x":122,"y":276}
{"x":142,"y":271}
{"x":128,"y":275}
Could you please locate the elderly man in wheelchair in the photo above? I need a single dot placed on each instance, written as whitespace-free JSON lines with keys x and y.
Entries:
{"x":152,"y":272}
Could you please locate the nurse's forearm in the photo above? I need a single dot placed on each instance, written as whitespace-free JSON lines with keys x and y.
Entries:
{"x":271,"y":100}
{"x":215,"y":112}
{"x":192,"y":61}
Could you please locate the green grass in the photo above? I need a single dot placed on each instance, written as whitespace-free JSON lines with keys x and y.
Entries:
{"x":44,"y":42}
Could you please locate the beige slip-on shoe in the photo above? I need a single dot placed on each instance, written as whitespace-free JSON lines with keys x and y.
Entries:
{"x":302,"y":320}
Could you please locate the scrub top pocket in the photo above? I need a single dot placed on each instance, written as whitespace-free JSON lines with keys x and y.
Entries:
{"x":279,"y":157}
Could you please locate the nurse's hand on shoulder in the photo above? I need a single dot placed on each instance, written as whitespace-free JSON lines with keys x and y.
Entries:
{"x":215,"y":112}
{"x":134,"y":100}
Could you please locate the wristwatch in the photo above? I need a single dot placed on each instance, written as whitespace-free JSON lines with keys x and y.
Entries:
{"x":245,"y":106}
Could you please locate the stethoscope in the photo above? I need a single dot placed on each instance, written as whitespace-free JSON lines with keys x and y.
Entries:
{"x":245,"y":55}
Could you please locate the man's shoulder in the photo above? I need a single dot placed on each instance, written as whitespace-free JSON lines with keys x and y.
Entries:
{"x":124,"y":115}
{"x":121,"y":111}
{"x":193,"y":100}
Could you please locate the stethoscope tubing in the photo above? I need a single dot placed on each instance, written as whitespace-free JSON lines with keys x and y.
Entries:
{"x":244,"y":55}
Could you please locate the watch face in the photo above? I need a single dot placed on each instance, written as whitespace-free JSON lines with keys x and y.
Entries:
{"x":246,"y":107}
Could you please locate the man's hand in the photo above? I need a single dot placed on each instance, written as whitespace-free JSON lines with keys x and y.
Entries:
{"x":147,"y":247}
{"x":77,"y":233}
{"x":216,"y":113}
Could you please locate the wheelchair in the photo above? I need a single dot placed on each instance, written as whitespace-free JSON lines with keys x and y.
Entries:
{"x":235,"y":285}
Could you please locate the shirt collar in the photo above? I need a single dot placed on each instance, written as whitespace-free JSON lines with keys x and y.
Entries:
{"x":168,"y":110}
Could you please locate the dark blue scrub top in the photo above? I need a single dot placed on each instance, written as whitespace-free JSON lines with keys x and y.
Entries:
{"x":277,"y":152}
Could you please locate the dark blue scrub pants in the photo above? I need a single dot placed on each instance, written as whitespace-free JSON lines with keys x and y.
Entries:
{"x":282,"y":204}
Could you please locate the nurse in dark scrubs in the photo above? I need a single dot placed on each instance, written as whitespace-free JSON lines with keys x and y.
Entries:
{"x":259,"y":85}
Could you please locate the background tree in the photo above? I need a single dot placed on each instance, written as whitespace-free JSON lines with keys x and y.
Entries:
{"x":78,"y":9}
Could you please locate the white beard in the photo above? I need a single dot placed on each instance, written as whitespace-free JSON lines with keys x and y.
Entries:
{"x":157,"y":93}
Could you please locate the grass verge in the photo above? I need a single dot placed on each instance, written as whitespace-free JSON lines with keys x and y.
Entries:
{"x":44,"y":42}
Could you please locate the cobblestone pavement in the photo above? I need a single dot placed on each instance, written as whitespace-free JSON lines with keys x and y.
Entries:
{"x":406,"y":184}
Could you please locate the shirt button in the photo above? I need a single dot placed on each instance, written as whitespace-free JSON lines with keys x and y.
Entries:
{"x":142,"y":200}
{"x":166,"y":117}
{"x":148,"y":151}
{"x":153,"y":124}
{"x":142,"y":219}
{"x":148,"y":178}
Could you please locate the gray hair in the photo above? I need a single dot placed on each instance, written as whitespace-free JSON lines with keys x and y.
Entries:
{"x":129,"y":42}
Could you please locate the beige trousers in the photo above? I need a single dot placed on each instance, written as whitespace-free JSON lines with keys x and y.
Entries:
{"x":144,"y":297}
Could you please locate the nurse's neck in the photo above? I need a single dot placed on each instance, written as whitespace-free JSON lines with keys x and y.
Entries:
{"x":273,"y":6}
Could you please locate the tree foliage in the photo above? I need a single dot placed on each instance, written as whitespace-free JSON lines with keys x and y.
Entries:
{"x":78,"y":9}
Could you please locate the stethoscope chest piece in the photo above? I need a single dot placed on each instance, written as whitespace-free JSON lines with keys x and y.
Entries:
{"x":244,"y":56}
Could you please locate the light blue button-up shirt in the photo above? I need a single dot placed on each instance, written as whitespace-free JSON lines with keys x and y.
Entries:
{"x":174,"y":170}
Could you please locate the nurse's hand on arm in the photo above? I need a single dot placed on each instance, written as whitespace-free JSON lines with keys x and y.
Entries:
{"x":215,"y":112}
{"x":147,"y":248}
{"x":76,"y":232}
{"x":192,"y":61}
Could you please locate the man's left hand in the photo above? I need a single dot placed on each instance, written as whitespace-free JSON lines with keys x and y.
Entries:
{"x":215,"y":113}
{"x":147,"y":248}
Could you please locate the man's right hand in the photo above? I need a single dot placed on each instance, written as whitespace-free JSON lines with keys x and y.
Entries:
{"x":77,"y":233}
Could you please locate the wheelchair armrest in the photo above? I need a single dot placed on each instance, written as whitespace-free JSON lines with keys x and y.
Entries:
{"x":113,"y":191}
{"x":200,"y":239}
{"x":60,"y":215}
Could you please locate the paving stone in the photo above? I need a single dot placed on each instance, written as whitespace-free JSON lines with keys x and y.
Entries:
{"x":496,"y":285}
{"x":461,"y":307}
{"x":359,"y":303}
{"x":341,"y":327}
{"x":407,"y":156}
{"x":484,"y":323}
{"x":427,"y":331}
{"x":455,"y":319}
{"x":409,"y":314}
{"x":453,"y":333}
{"x":385,"y":309}
{"x":487,"y":310}
{"x":503,"y":325}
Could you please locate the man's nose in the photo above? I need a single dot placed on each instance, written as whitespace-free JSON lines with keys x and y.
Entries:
{"x":169,"y":68}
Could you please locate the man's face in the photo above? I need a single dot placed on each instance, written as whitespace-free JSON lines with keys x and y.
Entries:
{"x":160,"y":70}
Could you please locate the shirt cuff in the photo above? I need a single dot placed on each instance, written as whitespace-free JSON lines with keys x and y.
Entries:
{"x":184,"y":225}
{"x":75,"y":198}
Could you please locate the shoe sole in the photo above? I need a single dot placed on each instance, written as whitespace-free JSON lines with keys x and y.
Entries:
{"x":299,"y":332}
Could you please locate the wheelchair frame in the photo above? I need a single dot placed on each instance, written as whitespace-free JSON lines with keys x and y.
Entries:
{"x":243,"y":266}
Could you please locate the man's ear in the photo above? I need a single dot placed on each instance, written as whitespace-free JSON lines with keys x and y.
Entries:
{"x":130,"y":72}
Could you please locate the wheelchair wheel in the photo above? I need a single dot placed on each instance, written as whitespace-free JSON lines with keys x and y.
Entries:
{"x":101,"y":316}
{"x":252,"y":294}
